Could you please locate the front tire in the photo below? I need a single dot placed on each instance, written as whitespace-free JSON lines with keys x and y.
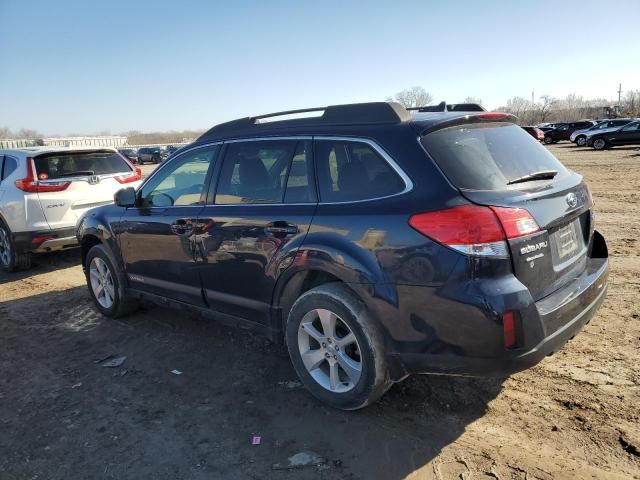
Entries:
{"x":336,"y":348}
{"x":599,"y":144}
{"x":10,"y":259}
{"x":548,"y":140}
{"x":106,"y":284}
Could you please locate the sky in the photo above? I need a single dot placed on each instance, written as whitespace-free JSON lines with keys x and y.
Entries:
{"x":88,"y":66}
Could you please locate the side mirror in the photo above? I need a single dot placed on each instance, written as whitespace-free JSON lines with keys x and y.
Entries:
{"x":125,"y":197}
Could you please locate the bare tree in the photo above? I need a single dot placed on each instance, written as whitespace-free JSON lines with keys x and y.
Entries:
{"x":5,"y":132}
{"x":518,"y":106}
{"x":544,"y":107}
{"x":412,"y":97}
{"x":27,"y":133}
{"x":631,"y":102}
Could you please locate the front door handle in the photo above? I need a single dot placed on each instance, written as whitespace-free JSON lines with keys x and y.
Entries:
{"x":182,"y":227}
{"x":281,"y":229}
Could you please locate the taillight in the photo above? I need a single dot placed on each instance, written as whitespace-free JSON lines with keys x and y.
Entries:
{"x":132,"y":177}
{"x":474,"y":229}
{"x":516,"y":222}
{"x":31,"y":185}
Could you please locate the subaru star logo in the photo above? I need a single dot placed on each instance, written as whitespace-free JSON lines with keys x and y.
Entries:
{"x":572,"y":200}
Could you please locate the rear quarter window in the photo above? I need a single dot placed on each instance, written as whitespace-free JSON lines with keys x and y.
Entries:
{"x":488,"y":156}
{"x":352,"y":171}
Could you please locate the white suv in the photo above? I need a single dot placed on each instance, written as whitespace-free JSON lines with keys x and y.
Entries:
{"x":43,"y":192}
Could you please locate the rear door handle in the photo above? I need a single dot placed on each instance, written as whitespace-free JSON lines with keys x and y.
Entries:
{"x":281,"y":228}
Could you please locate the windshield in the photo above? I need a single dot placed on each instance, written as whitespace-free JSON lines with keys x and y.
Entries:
{"x":69,"y":164}
{"x":489,"y":156}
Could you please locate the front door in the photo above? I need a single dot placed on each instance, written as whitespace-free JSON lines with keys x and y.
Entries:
{"x":258,"y":215}
{"x":157,"y":236}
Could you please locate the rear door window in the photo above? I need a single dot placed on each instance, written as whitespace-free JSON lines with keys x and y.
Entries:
{"x":350,"y":171}
{"x":78,"y":164}
{"x":488,"y":156}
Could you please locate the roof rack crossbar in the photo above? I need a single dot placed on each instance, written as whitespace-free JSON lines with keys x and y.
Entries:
{"x":350,"y":114}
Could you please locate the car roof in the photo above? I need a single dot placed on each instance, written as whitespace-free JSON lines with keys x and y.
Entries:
{"x":342,"y":118}
{"x":32,"y":151}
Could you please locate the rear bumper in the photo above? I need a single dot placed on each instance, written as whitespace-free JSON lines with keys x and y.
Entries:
{"x":546,"y":326}
{"x":45,"y":240}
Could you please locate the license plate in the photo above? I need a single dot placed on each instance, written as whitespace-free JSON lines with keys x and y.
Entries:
{"x":567,"y":242}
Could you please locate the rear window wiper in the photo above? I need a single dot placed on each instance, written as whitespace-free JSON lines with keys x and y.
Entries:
{"x":541,"y":175}
{"x":77,"y":174}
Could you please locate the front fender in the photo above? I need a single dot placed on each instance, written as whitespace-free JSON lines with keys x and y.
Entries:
{"x":96,"y":226}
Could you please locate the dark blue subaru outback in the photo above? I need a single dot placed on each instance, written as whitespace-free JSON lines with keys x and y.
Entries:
{"x":375,"y":242}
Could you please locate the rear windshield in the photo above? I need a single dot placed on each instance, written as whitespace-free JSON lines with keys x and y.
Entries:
{"x":488,"y":156}
{"x":72,"y":164}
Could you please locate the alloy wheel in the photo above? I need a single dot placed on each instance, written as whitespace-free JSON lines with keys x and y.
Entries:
{"x":599,"y":144}
{"x":101,"y":282}
{"x":329,"y":351}
{"x":5,"y":247}
{"x":581,"y":141}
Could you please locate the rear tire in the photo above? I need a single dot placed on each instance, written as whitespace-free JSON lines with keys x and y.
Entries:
{"x":548,"y":140}
{"x":581,"y":141}
{"x":599,"y":144}
{"x":10,"y":260}
{"x":344,"y":366}
{"x":106,"y":284}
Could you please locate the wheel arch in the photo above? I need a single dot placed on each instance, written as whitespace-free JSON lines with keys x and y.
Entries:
{"x":94,"y":230}
{"x":295,"y":282}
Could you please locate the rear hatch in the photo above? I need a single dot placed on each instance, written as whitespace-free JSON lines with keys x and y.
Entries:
{"x":71,"y":182}
{"x":499,"y":164}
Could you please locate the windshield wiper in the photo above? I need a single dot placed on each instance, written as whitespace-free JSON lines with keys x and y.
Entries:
{"x":77,"y":174}
{"x":540,"y":175}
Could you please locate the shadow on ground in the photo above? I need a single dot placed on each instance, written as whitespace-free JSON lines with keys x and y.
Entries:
{"x":43,"y":263}
{"x":62,"y":413}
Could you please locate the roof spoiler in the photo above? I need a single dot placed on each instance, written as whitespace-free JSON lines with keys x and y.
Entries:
{"x":450,"y":107}
{"x":355,"y":113}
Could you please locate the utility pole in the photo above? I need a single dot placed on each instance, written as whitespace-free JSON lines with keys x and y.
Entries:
{"x":619,"y":93}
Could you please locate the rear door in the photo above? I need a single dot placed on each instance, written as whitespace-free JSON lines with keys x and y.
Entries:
{"x":490,"y":163}
{"x":258,"y":214}
{"x":156,"y":236}
{"x":72,"y":182}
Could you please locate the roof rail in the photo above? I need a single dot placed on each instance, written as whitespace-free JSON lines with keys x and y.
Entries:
{"x":354,"y":113}
{"x":450,"y":107}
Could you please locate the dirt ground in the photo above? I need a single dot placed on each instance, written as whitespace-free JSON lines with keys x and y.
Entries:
{"x":64,"y":416}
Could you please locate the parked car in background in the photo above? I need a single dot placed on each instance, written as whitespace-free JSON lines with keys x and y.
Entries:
{"x":44,"y":190}
{"x":372,"y":241}
{"x":535,"y":132}
{"x":545,"y":127}
{"x":149,"y":154}
{"x":627,"y":135}
{"x":579,"y":137}
{"x":171,"y":149}
{"x":563,"y":131}
{"x":129,"y":153}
